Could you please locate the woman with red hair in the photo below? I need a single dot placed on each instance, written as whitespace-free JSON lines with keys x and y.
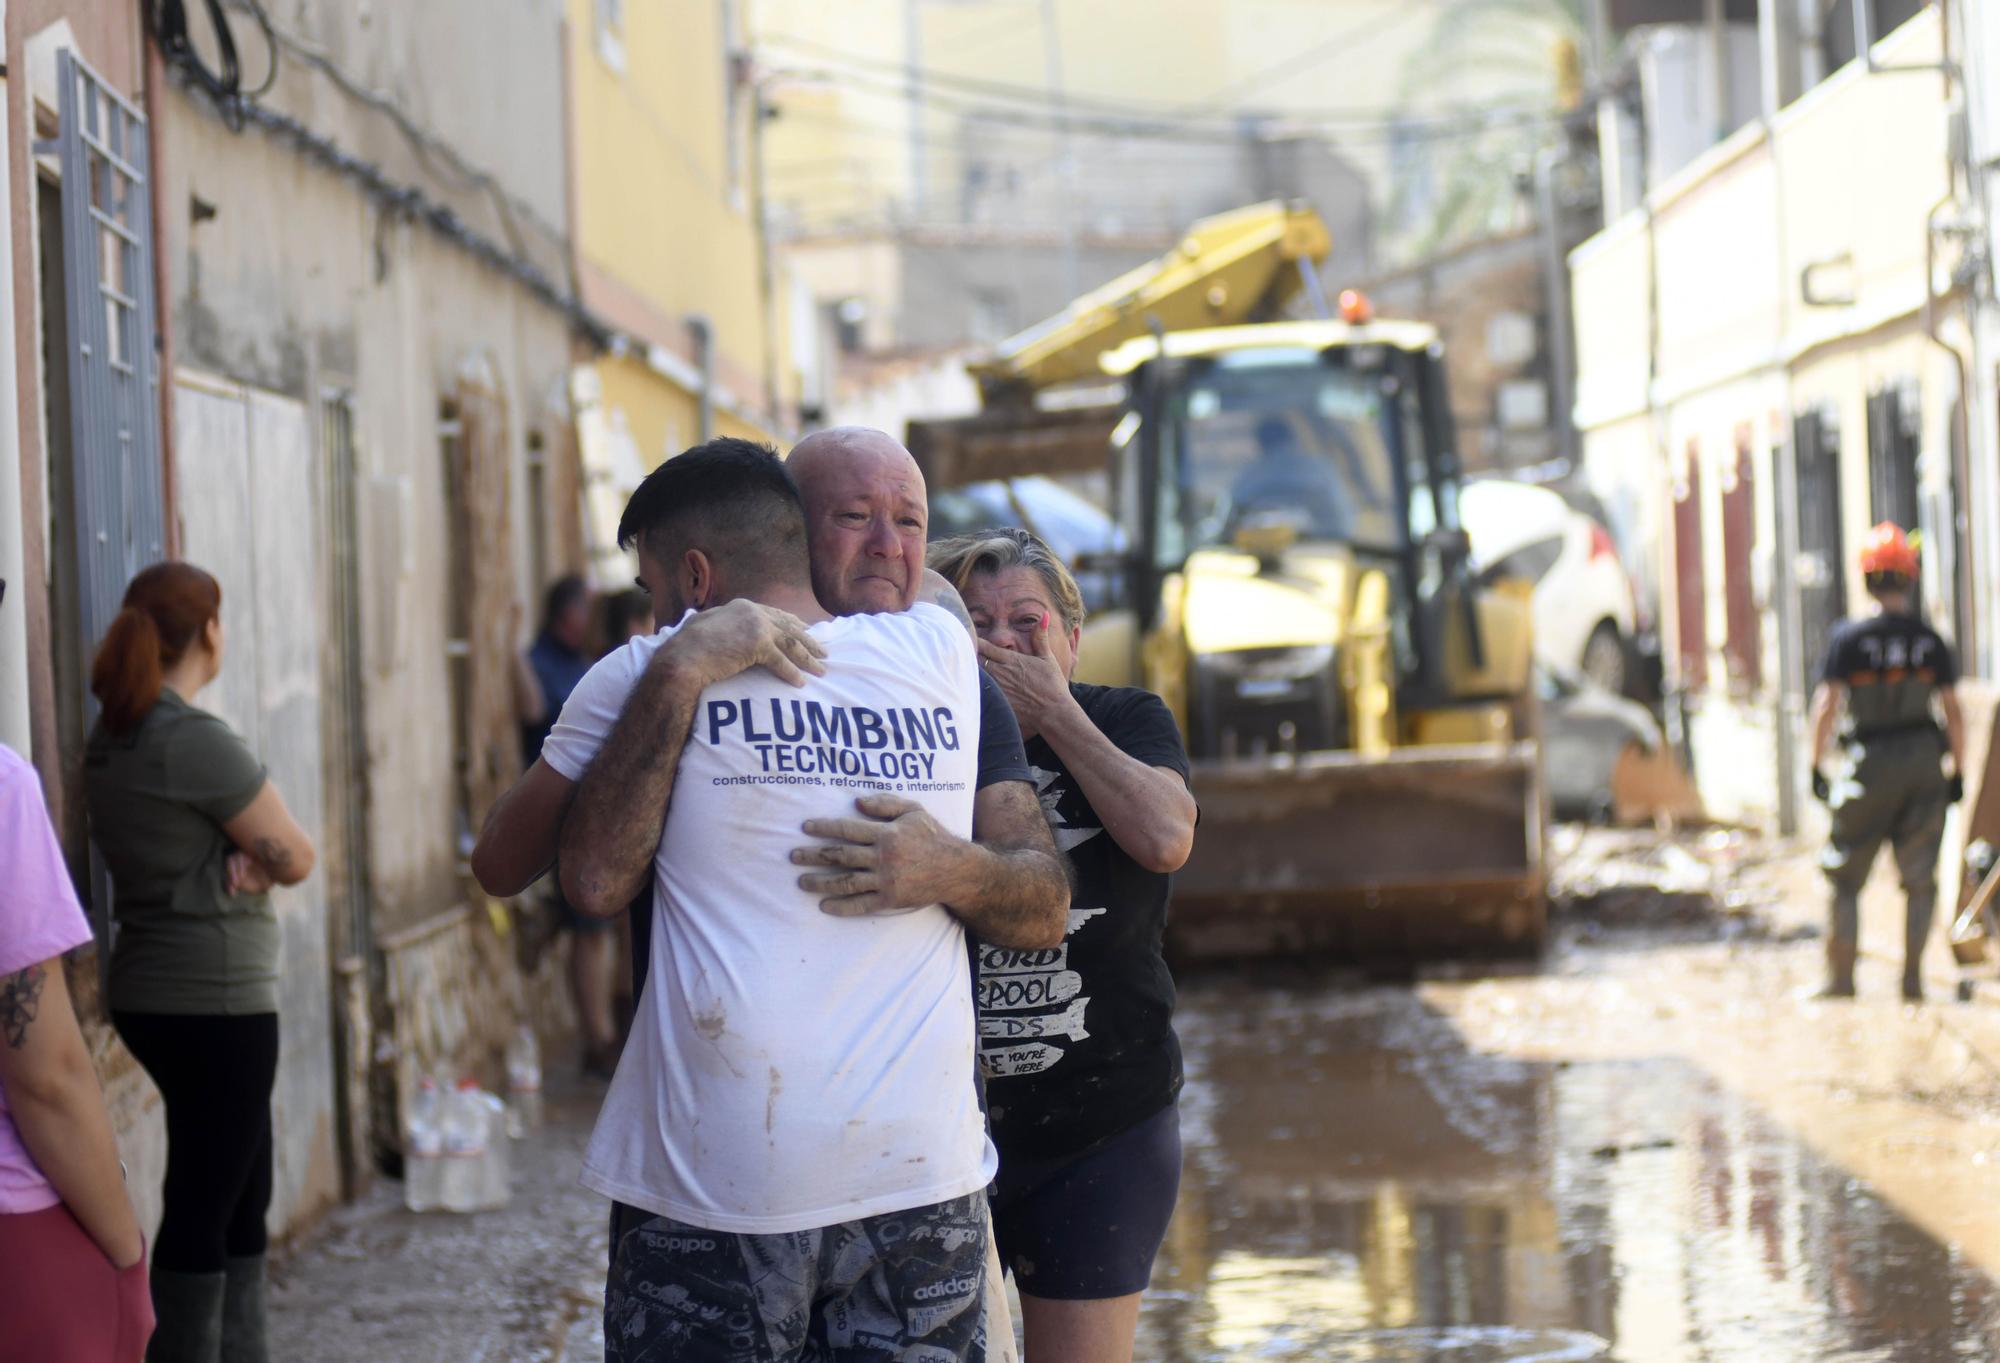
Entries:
{"x":194,"y":835}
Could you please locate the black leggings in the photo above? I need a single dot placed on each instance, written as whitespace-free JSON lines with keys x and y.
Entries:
{"x":216,"y":1075}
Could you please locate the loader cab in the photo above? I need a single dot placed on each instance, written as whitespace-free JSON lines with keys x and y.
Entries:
{"x":1308,"y":443}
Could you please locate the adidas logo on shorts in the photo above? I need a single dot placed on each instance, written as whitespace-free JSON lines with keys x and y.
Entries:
{"x":951,"y":1287}
{"x":688,"y":1244}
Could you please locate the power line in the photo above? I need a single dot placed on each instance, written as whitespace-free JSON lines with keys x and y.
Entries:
{"x":1465,"y":124}
{"x":395,"y":201}
{"x":1311,"y":57}
{"x":429,"y":148}
{"x":893,"y":78}
{"x":1399,"y":126}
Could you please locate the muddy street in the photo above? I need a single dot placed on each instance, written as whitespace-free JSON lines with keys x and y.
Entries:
{"x":1648,"y":1149}
{"x":1652,"y":1150}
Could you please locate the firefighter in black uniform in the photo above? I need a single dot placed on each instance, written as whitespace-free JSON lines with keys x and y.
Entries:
{"x":1893,"y":678}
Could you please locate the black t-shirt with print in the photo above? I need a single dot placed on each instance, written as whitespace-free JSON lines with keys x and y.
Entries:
{"x":1000,"y":756}
{"x":1892,"y":665}
{"x":1077,"y":1040}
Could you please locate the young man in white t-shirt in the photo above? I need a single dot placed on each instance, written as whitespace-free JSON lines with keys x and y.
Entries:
{"x":793,"y":1133}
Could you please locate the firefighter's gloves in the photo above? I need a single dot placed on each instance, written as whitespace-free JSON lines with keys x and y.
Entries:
{"x":1955,"y":788}
{"x":1822,"y":788}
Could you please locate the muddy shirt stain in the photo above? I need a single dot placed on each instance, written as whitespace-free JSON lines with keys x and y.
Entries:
{"x":711,"y":1022}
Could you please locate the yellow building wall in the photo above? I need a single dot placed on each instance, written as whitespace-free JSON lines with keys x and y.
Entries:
{"x":661,"y":417}
{"x":840,"y":148}
{"x":664,"y":198}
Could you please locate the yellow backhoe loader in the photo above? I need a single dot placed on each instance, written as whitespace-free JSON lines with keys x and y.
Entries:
{"x":1357,"y":703}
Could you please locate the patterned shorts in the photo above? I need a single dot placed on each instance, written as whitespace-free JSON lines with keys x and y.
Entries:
{"x":907,"y":1286}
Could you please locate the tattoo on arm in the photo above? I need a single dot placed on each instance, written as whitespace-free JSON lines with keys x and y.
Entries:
{"x":20,"y":996}
{"x":277,"y":858}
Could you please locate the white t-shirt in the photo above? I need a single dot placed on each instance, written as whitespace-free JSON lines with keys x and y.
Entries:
{"x":789,"y":1069}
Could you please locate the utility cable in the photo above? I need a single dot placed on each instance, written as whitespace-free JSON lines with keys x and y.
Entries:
{"x":431,"y":151}
{"x":1465,"y":124}
{"x":223,"y":86}
{"x":898,"y":78}
{"x":1356,"y":36}
{"x":411,"y":203}
{"x":256,"y":9}
{"x":223,"y":83}
{"x":1397,"y":126}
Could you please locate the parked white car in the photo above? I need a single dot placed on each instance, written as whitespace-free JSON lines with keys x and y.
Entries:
{"x":1583,"y":603}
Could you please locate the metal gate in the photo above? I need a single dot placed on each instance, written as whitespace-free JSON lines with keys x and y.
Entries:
{"x":114,"y":379}
{"x":1893,"y":442}
{"x":1819,"y":569}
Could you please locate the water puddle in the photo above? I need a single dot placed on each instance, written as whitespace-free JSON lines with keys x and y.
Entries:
{"x":1359,"y":1187}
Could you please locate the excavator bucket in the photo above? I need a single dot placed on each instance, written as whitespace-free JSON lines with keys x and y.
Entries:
{"x":1428,"y":853}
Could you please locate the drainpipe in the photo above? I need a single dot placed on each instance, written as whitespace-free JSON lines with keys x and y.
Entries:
{"x":1959,"y":155}
{"x":1673,"y":699}
{"x":1779,"y":61}
{"x":1722,"y":109}
{"x":1965,"y":584}
{"x":155,"y":82}
{"x":767,"y":269}
{"x":1555,"y":297}
{"x":703,"y":336}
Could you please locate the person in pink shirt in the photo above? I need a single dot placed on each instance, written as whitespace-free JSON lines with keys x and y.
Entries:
{"x":72,"y":1259}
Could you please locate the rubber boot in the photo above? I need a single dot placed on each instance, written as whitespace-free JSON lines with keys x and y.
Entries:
{"x":243,"y":1335}
{"x":189,"y":1310}
{"x":1840,"y":958}
{"x":1917,"y":931}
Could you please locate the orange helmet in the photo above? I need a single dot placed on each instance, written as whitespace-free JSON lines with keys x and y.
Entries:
{"x":1887,"y":550}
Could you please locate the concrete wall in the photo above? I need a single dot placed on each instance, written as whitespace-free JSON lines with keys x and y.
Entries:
{"x":1470,"y":295}
{"x":290,"y":291}
{"x":297,"y":286}
{"x":1611,"y":299}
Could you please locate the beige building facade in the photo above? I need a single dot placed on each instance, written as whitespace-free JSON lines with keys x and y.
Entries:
{"x":1757,"y":386}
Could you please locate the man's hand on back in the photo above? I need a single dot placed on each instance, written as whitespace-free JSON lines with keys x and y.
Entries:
{"x":894,"y":859}
{"x":613,"y":827}
{"x":1010,"y":888}
{"x":716,"y":645}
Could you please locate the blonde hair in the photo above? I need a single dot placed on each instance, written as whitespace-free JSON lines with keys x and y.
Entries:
{"x":962,"y":557}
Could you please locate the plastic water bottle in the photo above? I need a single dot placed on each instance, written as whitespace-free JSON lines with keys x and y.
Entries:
{"x":465,"y":1142}
{"x":495,"y":1171}
{"x":423,"y":1148}
{"x":524,"y":1082}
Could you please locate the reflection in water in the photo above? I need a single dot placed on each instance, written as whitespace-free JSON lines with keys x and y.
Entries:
{"x":1358,"y":1186}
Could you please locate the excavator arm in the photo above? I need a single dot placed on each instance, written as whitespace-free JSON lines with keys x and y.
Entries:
{"x":1240,"y":266}
{"x":1235,"y":267}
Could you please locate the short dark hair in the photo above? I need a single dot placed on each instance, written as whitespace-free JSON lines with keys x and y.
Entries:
{"x":731,"y":498}
{"x":565,"y":593}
